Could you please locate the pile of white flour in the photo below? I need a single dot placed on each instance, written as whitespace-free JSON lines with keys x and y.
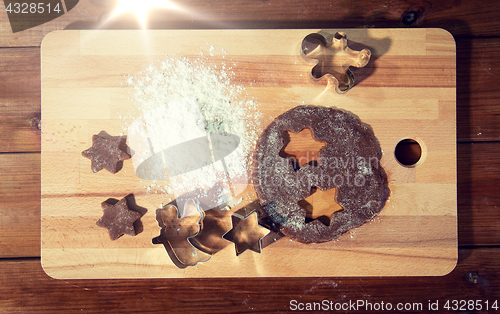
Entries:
{"x":223,"y":106}
{"x":175,"y":79}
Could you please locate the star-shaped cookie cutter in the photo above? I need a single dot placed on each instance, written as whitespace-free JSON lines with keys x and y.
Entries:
{"x":333,"y":58}
{"x":248,"y":233}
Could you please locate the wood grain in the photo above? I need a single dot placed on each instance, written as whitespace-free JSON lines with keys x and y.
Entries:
{"x":478,"y":201}
{"x":462,"y":18}
{"x":478,"y":81}
{"x":20,"y":102}
{"x":20,"y":205}
{"x":87,"y":10}
{"x":477,"y":94}
{"x":473,"y":229}
{"x":476,"y":105}
{"x":25,"y":287}
{"x":409,"y":94}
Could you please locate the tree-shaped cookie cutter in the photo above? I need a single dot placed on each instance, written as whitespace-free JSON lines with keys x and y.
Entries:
{"x":176,"y":232}
{"x":333,"y":58}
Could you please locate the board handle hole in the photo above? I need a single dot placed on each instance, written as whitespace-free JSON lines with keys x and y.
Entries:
{"x":408,"y":152}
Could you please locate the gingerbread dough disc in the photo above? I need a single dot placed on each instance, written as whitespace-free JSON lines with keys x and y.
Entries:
{"x":349,"y":162}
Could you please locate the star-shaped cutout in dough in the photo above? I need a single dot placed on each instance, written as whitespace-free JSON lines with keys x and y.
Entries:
{"x":320,"y":205}
{"x":301,"y":148}
{"x":106,"y":152}
{"x":246,"y":232}
{"x":119,"y":219}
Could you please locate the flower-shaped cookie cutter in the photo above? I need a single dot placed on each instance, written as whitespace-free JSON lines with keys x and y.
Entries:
{"x":333,"y":58}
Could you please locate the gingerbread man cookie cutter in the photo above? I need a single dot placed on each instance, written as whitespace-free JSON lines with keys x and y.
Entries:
{"x":333,"y":58}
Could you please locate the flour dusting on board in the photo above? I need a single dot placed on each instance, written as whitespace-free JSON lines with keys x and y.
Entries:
{"x":192,"y":106}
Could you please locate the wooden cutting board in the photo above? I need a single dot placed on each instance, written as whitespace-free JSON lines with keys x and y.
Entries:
{"x":407,"y":91}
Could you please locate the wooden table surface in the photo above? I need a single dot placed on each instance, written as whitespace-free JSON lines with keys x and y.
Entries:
{"x":24,"y":287}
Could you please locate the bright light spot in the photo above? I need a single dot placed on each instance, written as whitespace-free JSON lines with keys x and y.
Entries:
{"x":141,"y":8}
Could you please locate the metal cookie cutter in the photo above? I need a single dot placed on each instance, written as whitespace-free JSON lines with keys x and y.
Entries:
{"x":333,"y":58}
{"x":176,"y":232}
{"x":248,"y":233}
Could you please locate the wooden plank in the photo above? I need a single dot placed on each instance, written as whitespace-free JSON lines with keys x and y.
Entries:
{"x":462,"y":19}
{"x":478,"y":78}
{"x":20,"y":205}
{"x":473,"y":229}
{"x":478,"y":89}
{"x":478,"y":200}
{"x":19,"y":100}
{"x":478,"y":174}
{"x":86,"y":10}
{"x":25,"y":287}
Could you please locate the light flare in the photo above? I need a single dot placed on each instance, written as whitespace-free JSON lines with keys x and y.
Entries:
{"x":141,"y":7}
